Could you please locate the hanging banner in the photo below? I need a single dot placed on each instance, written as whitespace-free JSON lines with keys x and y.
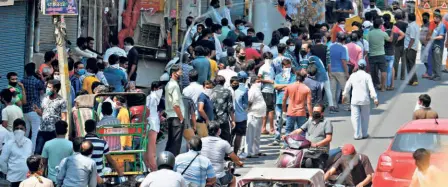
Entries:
{"x":6,"y":2}
{"x":152,"y":5}
{"x":59,"y":7}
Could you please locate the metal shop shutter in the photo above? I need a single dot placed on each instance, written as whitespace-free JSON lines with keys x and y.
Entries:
{"x":13,"y":31}
{"x":204,"y":6}
{"x":237,"y":10}
{"x":47,"y":38}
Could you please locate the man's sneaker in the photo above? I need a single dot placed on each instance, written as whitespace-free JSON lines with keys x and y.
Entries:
{"x":435,"y":78}
{"x":414,"y":83}
{"x":275,"y":143}
{"x":333,"y":110}
{"x":242,"y":155}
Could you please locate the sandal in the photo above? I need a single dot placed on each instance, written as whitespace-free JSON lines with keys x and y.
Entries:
{"x":390,"y":88}
{"x":262,"y":154}
{"x":252,"y":156}
{"x":265,"y":132}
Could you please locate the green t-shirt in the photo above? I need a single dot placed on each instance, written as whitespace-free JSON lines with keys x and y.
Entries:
{"x":19,"y":96}
{"x":55,"y":150}
{"x":377,"y":39}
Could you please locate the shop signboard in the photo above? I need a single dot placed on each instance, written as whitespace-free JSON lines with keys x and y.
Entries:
{"x":59,"y":7}
{"x":6,"y":2}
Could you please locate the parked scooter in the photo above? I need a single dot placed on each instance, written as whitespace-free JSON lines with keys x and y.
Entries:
{"x":300,"y":154}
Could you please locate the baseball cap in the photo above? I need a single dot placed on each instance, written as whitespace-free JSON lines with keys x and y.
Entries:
{"x":348,"y":149}
{"x":242,"y":75}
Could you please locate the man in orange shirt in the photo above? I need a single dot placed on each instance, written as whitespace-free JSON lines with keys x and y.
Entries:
{"x":299,"y":96}
{"x":281,"y":7}
{"x":339,"y":27}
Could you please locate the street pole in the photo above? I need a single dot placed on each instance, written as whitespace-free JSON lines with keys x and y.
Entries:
{"x":59,"y":24}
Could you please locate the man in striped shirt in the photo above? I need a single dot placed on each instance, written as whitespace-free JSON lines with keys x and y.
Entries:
{"x":113,"y":141}
{"x":100,"y":149}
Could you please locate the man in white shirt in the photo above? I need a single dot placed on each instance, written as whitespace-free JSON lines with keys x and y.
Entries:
{"x":256,"y":112}
{"x":215,"y":149}
{"x":259,"y":45}
{"x":361,"y":85}
{"x":225,"y":13}
{"x":371,"y":7}
{"x":113,"y":50}
{"x":82,"y":51}
{"x":11,"y":112}
{"x":165,"y":176}
{"x":14,"y":155}
{"x":195,"y":89}
{"x":217,"y":31}
{"x":227,"y":72}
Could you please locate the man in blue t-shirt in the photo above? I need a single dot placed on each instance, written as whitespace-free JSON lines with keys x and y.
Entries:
{"x":114,"y":75}
{"x":338,"y":71}
{"x":205,"y":109}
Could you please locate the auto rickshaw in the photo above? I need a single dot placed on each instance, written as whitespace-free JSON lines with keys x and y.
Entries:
{"x":282,"y":177}
{"x":131,"y":158}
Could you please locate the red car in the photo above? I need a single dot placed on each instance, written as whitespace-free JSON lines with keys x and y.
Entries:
{"x":396,"y":165}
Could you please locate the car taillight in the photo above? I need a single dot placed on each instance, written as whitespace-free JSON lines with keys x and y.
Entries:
{"x":385,"y":163}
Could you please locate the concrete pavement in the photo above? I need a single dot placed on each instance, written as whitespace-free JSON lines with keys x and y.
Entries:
{"x":395,"y":109}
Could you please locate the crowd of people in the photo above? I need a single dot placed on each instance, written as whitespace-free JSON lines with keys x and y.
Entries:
{"x":229,"y":86}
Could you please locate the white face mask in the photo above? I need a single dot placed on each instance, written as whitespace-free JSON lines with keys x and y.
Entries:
{"x":208,"y":92}
{"x":127,"y":48}
{"x":257,"y":85}
{"x":342,"y":26}
{"x":292,"y":48}
{"x":57,"y":77}
{"x":19,"y":137}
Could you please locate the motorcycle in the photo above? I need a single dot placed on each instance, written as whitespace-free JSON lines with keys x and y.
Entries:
{"x":230,"y":167}
{"x":300,"y":154}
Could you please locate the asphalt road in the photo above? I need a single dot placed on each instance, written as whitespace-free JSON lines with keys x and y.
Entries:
{"x":395,"y":109}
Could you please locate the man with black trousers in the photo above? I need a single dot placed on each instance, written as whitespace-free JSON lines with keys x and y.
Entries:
{"x":132,"y":58}
{"x":174,"y":108}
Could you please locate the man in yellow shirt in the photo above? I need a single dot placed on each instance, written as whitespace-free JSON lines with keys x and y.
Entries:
{"x":123,"y":117}
{"x":213,"y":65}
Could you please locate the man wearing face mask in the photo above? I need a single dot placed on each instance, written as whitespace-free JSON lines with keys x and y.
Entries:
{"x":217,"y":31}
{"x":74,"y":79}
{"x":14,"y":155}
{"x":55,"y":110}
{"x":371,"y":7}
{"x":290,"y":53}
{"x":266,"y":75}
{"x":340,"y":27}
{"x":241,"y":104}
{"x":11,"y":112}
{"x":318,"y":130}
{"x":424,"y":53}
{"x":132,"y":58}
{"x":174,"y":108}
{"x":239,"y":30}
{"x":282,"y":80}
{"x":205,"y":109}
{"x":224,"y":110}
{"x":17,"y":86}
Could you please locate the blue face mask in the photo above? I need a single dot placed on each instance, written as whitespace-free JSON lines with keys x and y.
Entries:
{"x":81,"y":72}
{"x":294,"y":35}
{"x":241,"y":27}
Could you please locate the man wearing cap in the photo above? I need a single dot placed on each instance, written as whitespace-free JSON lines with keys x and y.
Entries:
{"x":361,"y":170}
{"x":362,"y":88}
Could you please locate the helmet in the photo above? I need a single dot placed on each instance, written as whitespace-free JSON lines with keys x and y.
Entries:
{"x":165,"y":158}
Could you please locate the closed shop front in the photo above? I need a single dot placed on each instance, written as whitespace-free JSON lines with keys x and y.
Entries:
{"x":13,"y":32}
{"x":47,"y":37}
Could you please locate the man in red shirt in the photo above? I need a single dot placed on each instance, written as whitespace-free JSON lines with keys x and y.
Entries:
{"x":339,"y":27}
{"x":299,"y":96}
{"x":251,"y":53}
